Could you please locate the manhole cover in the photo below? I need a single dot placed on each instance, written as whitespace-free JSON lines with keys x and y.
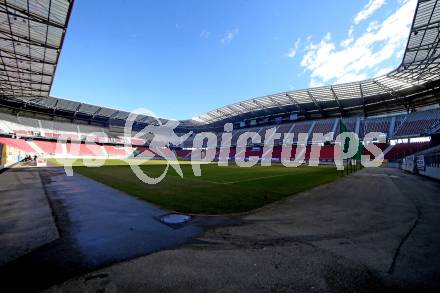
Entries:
{"x":175,"y":219}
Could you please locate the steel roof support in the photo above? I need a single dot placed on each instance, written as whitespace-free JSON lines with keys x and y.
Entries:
{"x":26,"y":14}
{"x":390,"y":91}
{"x":23,"y":71}
{"x":275,"y":102}
{"x":28,"y":58}
{"x":316,"y":103}
{"x":337,"y":100}
{"x":13,"y":44}
{"x":363,"y":99}
{"x":259,"y":105}
{"x":295,"y":102}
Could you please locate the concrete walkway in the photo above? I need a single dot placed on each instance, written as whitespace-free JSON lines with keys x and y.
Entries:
{"x":26,"y":221}
{"x":97,"y":226}
{"x":377,"y":230}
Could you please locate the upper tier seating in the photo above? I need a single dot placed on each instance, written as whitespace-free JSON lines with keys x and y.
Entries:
{"x":418,"y":123}
{"x":237,"y":133}
{"x":301,"y":127}
{"x":407,"y":125}
{"x":323,"y":126}
{"x":377,"y":125}
{"x":350,"y":123}
{"x":282,"y":128}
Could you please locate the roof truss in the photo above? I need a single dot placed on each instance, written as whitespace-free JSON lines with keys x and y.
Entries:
{"x":31,"y":38}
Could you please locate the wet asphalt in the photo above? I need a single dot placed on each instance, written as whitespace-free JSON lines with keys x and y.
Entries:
{"x":374,"y":231}
{"x":97,"y":226}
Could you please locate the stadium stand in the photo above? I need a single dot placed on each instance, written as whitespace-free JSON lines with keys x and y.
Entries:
{"x":33,"y":121}
{"x":377,"y":125}
{"x":42,"y":134}
{"x":350,"y":123}
{"x":418,"y":122}
{"x":327,"y":153}
{"x":399,"y":151}
{"x":324,"y":126}
{"x":52,"y":149}
{"x":301,"y":127}
{"x":283,"y":128}
{"x":39,"y":119}
{"x":262,"y":131}
{"x":47,"y":147}
{"x":236,"y":134}
{"x":115,"y":151}
{"x":18,"y":144}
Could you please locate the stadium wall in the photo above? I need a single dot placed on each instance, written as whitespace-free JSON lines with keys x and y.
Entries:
{"x":2,"y":156}
{"x":9,"y":156}
{"x":429,"y":164}
{"x":425,"y":163}
{"x":432,"y":172}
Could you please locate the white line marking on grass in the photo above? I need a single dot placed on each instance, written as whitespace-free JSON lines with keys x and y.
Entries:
{"x":254,"y":179}
{"x":233,"y":182}
{"x":194,"y":179}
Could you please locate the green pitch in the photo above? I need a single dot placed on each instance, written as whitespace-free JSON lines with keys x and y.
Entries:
{"x":219,"y":189}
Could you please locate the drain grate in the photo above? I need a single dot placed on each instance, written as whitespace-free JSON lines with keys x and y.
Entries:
{"x":175,"y":219}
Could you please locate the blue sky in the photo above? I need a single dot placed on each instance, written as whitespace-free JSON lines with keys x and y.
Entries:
{"x":182,"y":58}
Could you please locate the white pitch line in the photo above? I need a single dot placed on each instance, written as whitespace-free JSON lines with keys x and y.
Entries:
{"x":254,"y":179}
{"x":232,"y":182}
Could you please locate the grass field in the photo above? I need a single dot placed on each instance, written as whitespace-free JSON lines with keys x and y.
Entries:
{"x":219,"y":190}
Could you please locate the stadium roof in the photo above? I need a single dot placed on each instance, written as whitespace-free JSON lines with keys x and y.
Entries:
{"x":31,"y":37}
{"x":419,"y":66}
{"x":32,"y":34}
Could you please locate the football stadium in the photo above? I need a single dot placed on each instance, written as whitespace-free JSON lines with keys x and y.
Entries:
{"x":334,"y":188}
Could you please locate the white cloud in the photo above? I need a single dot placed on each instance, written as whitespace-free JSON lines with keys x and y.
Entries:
{"x":292,"y":51}
{"x":368,"y":10}
{"x":205,"y":34}
{"x":229,"y":36}
{"x":357,"y":58}
{"x":348,"y":41}
{"x":373,"y":26}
